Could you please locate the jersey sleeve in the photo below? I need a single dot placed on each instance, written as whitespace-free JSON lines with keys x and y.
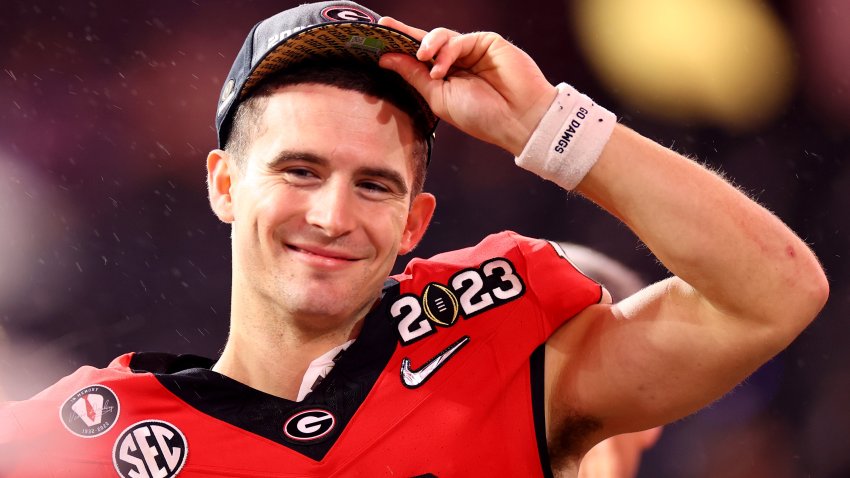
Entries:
{"x":527,"y":283}
{"x":559,"y":288}
{"x":32,"y":430}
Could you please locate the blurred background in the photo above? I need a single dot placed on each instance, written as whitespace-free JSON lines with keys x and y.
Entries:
{"x":107,"y":243}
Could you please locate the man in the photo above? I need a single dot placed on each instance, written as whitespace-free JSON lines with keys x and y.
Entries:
{"x":496,"y":360}
{"x":620,"y":455}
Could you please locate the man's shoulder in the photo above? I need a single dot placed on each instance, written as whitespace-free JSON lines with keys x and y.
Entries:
{"x":531,"y":278}
{"x":87,"y":402}
{"x":118,"y":369}
{"x":164,"y":363}
{"x":503,"y":244}
{"x":505,"y":251}
{"x":123,"y":371}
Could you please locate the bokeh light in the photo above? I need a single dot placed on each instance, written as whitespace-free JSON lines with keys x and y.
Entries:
{"x":723,"y":62}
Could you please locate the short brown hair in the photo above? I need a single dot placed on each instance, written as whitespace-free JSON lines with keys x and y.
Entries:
{"x":369,"y":79}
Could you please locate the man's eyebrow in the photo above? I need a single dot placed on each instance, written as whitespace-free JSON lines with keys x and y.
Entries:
{"x":386,"y":174}
{"x":287,"y":156}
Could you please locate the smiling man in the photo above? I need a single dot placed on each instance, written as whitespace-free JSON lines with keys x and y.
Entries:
{"x":320,"y":211}
{"x":501,"y":359}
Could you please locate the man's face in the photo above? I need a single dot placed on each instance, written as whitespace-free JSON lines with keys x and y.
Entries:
{"x":321,"y":207}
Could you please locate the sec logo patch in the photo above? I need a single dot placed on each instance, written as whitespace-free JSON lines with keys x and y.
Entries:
{"x":91,"y":411}
{"x":150,"y":448}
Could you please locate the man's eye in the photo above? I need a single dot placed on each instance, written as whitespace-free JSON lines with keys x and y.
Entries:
{"x":299,"y":174}
{"x":374,"y":187}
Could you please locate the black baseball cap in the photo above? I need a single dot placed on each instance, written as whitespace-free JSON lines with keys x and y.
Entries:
{"x":335,"y":30}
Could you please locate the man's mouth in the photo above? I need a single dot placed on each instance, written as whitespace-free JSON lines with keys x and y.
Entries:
{"x":322,"y":253}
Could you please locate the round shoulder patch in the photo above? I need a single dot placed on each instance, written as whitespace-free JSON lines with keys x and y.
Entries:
{"x":91,"y":411}
{"x":150,"y":448}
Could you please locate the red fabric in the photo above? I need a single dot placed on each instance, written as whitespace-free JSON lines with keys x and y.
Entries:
{"x":472,"y":417}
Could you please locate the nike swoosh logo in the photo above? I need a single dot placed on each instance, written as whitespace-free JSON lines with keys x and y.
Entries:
{"x":414,"y":378}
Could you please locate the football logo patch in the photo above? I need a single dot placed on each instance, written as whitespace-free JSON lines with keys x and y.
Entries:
{"x":440,"y":304}
{"x":308,"y":426}
{"x":150,"y":448}
{"x":91,"y":411}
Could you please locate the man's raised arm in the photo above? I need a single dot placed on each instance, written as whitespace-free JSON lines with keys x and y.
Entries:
{"x":744,"y":287}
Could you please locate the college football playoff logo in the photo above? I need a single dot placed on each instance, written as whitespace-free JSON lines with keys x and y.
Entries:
{"x":440,"y":304}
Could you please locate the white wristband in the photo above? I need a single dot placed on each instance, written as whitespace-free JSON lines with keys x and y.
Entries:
{"x":569,"y":138}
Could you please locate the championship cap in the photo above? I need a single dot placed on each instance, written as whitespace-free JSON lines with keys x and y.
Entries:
{"x":335,"y":30}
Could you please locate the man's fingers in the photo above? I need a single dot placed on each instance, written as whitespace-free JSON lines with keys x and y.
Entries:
{"x":442,"y":46}
{"x":402,"y":27}
{"x":433,"y":42}
{"x":413,"y":72}
{"x":439,"y":45}
{"x":455,"y":54}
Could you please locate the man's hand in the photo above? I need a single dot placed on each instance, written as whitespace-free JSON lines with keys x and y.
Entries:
{"x":479,"y":82}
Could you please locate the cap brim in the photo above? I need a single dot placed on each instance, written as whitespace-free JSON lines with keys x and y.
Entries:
{"x":359,"y":41}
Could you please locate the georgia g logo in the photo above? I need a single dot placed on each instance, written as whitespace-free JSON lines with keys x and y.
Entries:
{"x":346,"y":14}
{"x":308,"y":426}
{"x":150,"y":448}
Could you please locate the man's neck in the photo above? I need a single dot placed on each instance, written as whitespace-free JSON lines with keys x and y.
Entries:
{"x":272,"y":352}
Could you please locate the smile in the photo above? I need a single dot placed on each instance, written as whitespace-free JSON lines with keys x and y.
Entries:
{"x":321,"y":257}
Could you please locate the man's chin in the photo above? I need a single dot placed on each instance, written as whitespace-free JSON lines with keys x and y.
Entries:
{"x":325,"y":305}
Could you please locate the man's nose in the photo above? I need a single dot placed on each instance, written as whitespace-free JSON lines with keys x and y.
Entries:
{"x":332,"y":209}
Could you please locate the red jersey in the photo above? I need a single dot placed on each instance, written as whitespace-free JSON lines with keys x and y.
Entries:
{"x":445,"y":379}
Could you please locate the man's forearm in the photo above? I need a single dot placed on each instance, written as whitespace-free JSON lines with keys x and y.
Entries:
{"x":737,"y":254}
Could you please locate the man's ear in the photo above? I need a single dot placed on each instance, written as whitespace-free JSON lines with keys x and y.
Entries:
{"x":220,"y":170}
{"x":421,"y":211}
